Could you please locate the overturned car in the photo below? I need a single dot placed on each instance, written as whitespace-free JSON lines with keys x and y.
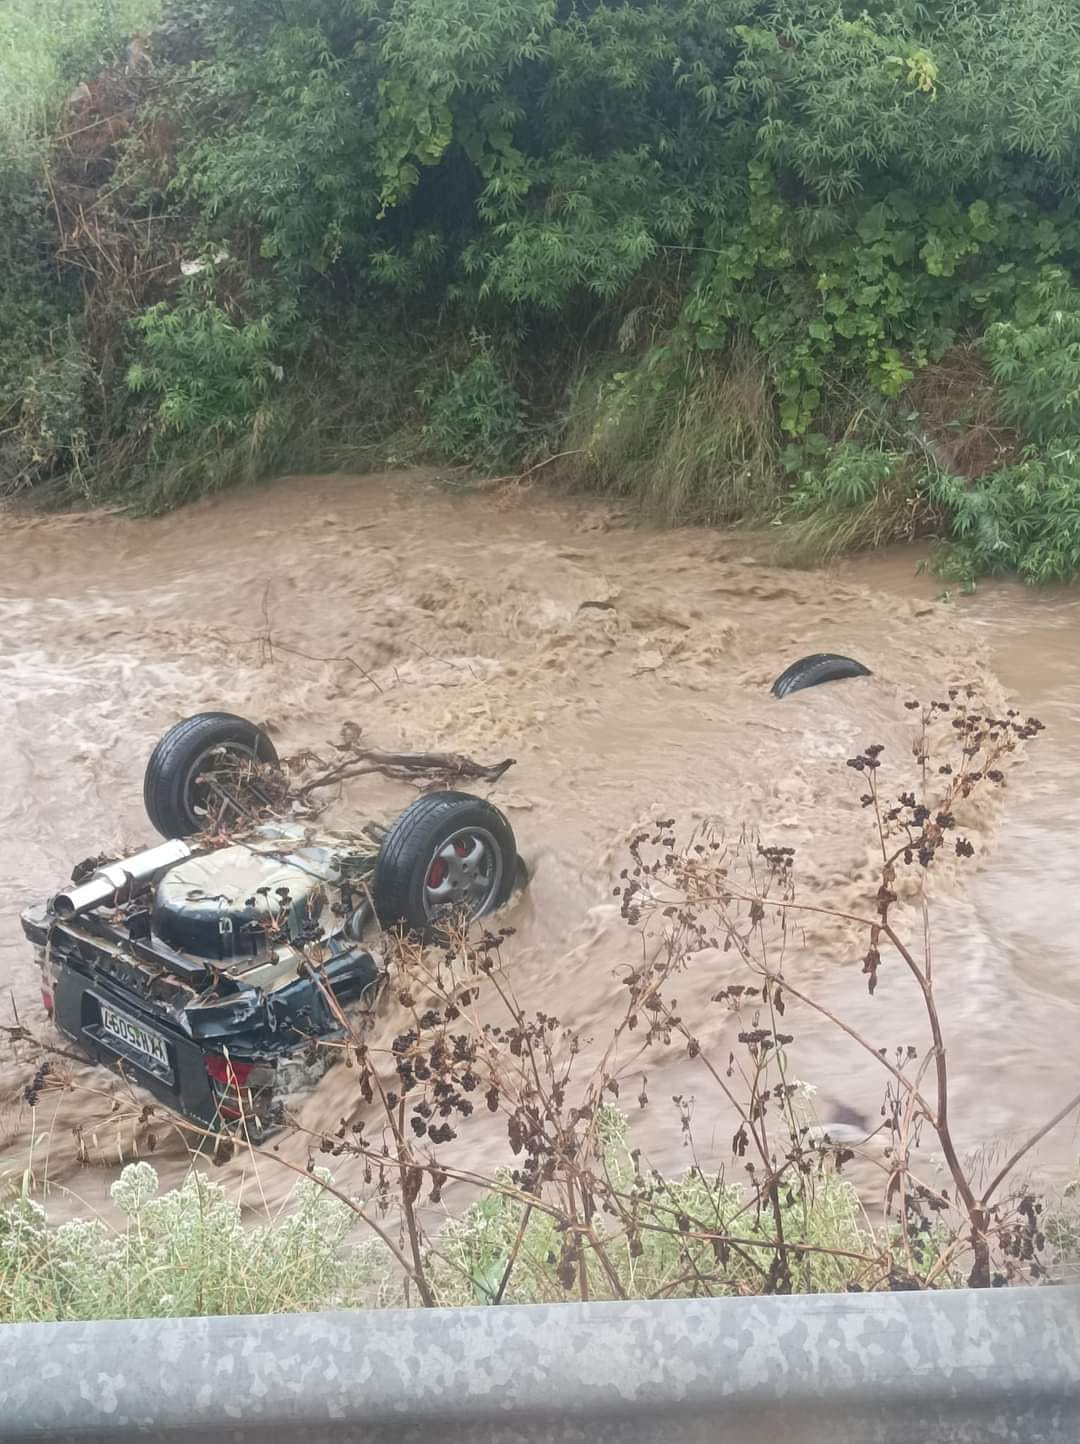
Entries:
{"x":214,"y":969}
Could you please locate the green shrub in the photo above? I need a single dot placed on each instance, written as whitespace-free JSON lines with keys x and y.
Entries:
{"x":48,"y":46}
{"x":874,"y":291}
{"x":1036,"y":362}
{"x":182,"y":1253}
{"x":51,"y":430}
{"x":476,"y":418}
{"x":655,"y":1261}
{"x":1024,"y":518}
{"x":29,"y":299}
{"x":40,"y":361}
{"x":1062,"y":1227}
{"x":208,"y":371}
{"x":860,"y":498}
{"x":759,"y":210}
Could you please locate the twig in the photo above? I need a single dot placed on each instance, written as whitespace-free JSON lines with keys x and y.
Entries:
{"x":310,"y":657}
{"x":1035,"y":1138}
{"x":512,"y":1260}
{"x":406,"y":1166}
{"x":406,"y":766}
{"x":537,"y":466}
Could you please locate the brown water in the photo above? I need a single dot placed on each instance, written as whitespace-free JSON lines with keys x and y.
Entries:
{"x":628,"y":671}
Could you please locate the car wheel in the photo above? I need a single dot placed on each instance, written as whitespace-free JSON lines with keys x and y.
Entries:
{"x":448,"y":855}
{"x":203,"y":773}
{"x":810,"y":671}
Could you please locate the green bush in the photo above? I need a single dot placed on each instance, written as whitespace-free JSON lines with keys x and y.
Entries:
{"x":206,"y":370}
{"x":51,"y":429}
{"x":655,"y":1261}
{"x":840,"y":192}
{"x":48,"y":46}
{"x":476,"y":418}
{"x":876,"y":291}
{"x":182,"y":1253}
{"x":1024,"y":518}
{"x":191,"y":1252}
{"x":1036,"y":361}
{"x":860,"y":497}
{"x":40,"y":363}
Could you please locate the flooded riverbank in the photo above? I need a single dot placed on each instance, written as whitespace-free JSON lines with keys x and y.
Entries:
{"x":628,"y":671}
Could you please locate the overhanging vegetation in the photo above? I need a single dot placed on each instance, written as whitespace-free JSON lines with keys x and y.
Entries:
{"x":808,"y":260}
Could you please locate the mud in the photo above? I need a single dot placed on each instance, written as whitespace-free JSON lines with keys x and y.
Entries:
{"x":628,"y":672}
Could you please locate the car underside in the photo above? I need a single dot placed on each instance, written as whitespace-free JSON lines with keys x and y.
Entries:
{"x":224,"y":973}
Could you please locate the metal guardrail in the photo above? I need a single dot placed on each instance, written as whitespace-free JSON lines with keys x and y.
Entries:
{"x":946,"y":1368}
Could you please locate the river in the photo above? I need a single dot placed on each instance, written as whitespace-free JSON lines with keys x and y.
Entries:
{"x":628,"y":671}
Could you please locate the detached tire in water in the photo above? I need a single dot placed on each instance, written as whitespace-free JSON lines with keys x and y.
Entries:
{"x":821,"y":667}
{"x":178,"y":788}
{"x":448,"y":855}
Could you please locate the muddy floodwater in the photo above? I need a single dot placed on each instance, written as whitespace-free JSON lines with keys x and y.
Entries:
{"x":628,"y":672}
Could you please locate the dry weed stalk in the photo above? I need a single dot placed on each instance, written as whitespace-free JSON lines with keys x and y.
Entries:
{"x":742,"y":898}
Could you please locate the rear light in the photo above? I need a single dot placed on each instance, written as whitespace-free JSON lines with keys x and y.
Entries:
{"x":237,"y":1085}
{"x":41,"y":957}
{"x":227,"y":1071}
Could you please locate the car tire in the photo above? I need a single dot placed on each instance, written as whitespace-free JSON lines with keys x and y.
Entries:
{"x":811,"y":671}
{"x":448,"y":854}
{"x":170,"y":793}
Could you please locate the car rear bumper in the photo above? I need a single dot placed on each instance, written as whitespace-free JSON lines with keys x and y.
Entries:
{"x":212,"y":1049}
{"x":179,"y":1080}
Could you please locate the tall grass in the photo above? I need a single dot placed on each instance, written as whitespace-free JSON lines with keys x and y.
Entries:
{"x":48,"y":46}
{"x":860,"y":498}
{"x":691,"y":439}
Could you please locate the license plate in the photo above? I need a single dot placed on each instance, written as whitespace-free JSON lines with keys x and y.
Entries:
{"x":151,"y":1045}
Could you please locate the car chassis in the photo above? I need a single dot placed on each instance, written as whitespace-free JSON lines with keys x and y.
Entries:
{"x":222,"y":974}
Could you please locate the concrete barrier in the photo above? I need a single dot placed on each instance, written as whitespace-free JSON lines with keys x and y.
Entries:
{"x":944,"y":1368}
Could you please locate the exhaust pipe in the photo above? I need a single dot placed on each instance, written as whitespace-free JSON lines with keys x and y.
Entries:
{"x":114,"y":882}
